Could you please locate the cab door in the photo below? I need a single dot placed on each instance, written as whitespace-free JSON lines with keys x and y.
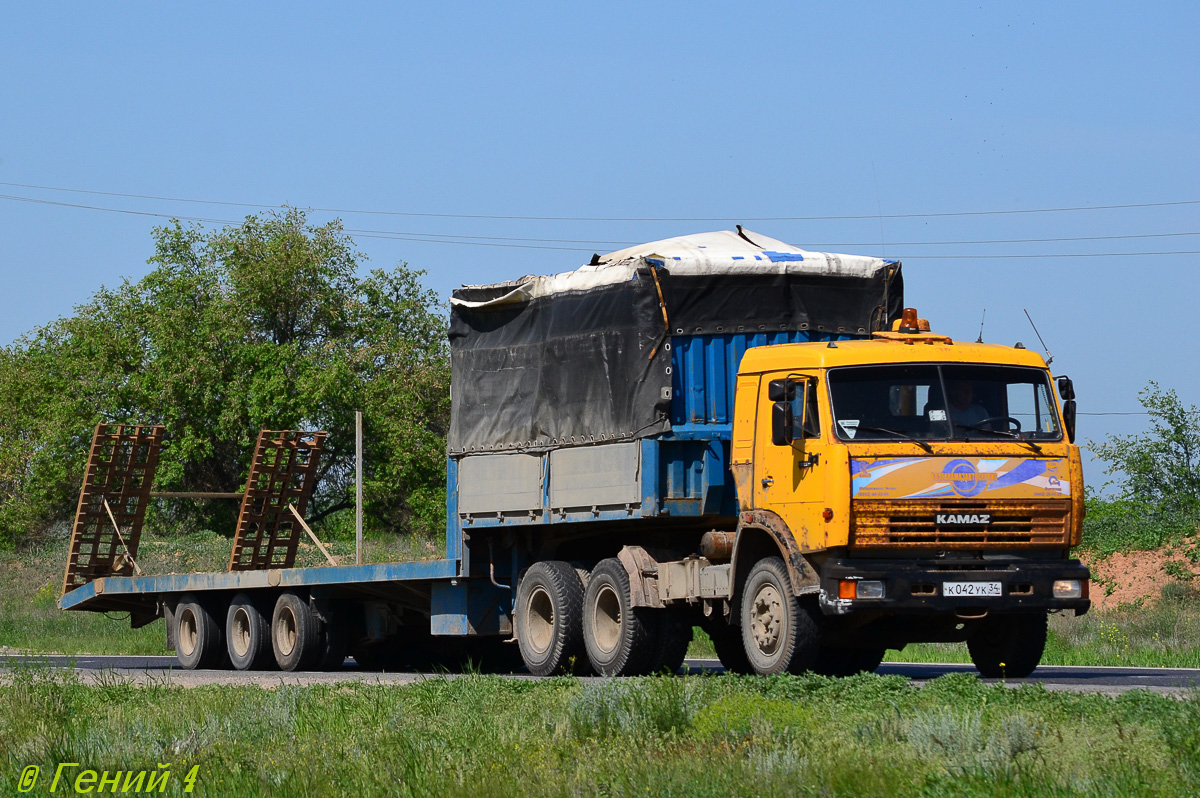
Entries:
{"x":789,"y":468}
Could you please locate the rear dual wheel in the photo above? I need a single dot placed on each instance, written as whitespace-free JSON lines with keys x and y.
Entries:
{"x":199,"y":637}
{"x":617,"y":635}
{"x":301,"y":640}
{"x":248,"y":635}
{"x":549,"y":618}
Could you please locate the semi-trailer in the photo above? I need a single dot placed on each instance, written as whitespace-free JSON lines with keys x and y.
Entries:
{"x":718,"y":430}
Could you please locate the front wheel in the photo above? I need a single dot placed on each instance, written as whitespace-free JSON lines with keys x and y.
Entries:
{"x":1008,"y":646}
{"x":848,"y":661}
{"x":779,"y":631}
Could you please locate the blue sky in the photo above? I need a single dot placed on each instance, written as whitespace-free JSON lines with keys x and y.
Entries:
{"x":704,"y":114}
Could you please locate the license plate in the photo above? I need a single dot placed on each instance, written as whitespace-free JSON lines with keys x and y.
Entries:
{"x":971,"y":589}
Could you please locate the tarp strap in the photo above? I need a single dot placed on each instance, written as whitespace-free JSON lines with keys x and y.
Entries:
{"x":663,"y":307}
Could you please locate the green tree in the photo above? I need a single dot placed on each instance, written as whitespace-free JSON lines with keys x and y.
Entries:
{"x":1160,"y":467}
{"x":263,"y":325}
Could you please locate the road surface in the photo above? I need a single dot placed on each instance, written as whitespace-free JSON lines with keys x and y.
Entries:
{"x":165,"y":670}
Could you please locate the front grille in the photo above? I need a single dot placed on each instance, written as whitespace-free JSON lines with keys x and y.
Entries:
{"x":879,"y":524}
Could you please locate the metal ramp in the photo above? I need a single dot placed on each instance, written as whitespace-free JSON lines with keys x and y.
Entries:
{"x":112,"y":502}
{"x":283,"y":473}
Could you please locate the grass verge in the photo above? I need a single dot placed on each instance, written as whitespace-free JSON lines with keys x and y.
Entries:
{"x":697,"y":736}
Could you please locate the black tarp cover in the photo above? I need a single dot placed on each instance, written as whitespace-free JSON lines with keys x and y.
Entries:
{"x":578,"y":357}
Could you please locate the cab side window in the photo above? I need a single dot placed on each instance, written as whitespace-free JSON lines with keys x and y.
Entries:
{"x":812,"y":424}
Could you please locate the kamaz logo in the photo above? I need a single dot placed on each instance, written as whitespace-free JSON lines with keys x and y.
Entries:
{"x":971,"y":519}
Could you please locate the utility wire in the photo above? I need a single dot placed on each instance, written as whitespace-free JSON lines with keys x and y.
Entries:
{"x":1062,"y":209}
{"x":507,"y":242}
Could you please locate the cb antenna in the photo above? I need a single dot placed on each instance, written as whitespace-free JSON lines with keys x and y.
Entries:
{"x":1049,"y":357}
{"x":979,"y":340}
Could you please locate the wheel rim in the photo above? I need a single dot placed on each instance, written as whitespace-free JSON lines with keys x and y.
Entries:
{"x":539,"y":620}
{"x":767,"y":619}
{"x":606,"y":619}
{"x":241,"y":632}
{"x":189,"y":632}
{"x":285,"y":632}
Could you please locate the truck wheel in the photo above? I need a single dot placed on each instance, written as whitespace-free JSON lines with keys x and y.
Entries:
{"x":617,"y":635}
{"x":848,"y":661}
{"x":248,"y":635}
{"x":727,"y":640}
{"x":198,"y":639}
{"x":549,"y":617}
{"x":1008,"y":646}
{"x":295,"y":634}
{"x":671,"y":641}
{"x":779,"y":632}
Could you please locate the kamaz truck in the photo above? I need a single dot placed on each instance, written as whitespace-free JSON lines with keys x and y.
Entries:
{"x":719,"y":430}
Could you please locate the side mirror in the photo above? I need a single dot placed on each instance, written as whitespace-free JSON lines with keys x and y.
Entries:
{"x":781,"y":390}
{"x":1069,"y":417}
{"x":1066,"y":388}
{"x":783,"y":423}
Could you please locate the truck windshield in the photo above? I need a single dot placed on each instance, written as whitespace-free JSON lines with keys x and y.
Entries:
{"x":947,"y":402}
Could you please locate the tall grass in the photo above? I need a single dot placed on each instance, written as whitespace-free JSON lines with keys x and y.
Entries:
{"x":719,"y":736}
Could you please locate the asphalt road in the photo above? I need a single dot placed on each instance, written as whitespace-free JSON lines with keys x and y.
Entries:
{"x":164,"y":670}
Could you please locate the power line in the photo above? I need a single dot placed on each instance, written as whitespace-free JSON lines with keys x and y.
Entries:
{"x":542,"y":243}
{"x":1012,"y":240}
{"x":1063,"y":209}
{"x":1133,"y":413}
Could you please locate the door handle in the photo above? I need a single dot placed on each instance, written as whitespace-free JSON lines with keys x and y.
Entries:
{"x":768,"y":481}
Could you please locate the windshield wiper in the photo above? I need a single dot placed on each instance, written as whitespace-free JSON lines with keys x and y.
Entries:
{"x":1003,"y":432}
{"x":900,"y":434}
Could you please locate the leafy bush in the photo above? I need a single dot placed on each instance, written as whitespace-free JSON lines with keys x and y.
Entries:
{"x":263,"y":325}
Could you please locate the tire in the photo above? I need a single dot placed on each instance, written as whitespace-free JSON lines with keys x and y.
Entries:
{"x":199,"y":641}
{"x":671,"y":640}
{"x":248,"y":635}
{"x":618,"y":636}
{"x":493,"y":655}
{"x":375,"y":656}
{"x":779,"y":631}
{"x":549,"y":618}
{"x":1008,"y":646}
{"x":848,"y":661}
{"x":727,"y":640}
{"x":295,"y":634}
{"x":334,"y":641}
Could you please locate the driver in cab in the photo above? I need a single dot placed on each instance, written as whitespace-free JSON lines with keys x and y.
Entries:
{"x":964,"y":410}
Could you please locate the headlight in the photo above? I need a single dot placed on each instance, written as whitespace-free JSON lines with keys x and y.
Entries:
{"x":860,"y":589}
{"x":1067,"y":589}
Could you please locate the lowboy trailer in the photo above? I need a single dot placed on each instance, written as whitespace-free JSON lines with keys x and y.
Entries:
{"x":719,"y":430}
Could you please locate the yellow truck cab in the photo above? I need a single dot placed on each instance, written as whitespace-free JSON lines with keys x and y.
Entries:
{"x":931,"y":489}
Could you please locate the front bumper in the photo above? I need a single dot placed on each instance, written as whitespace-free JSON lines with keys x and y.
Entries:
{"x":916,"y":587}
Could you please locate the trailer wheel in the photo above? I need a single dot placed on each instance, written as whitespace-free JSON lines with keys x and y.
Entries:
{"x":295,"y":634}
{"x":617,"y":635}
{"x":335,"y":641}
{"x":779,"y":631}
{"x":198,"y":639}
{"x":248,"y":635}
{"x":549,"y":617}
{"x":671,"y":641}
{"x":1008,"y":646}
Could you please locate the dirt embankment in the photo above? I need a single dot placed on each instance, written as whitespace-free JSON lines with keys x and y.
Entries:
{"x":1130,"y":578}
